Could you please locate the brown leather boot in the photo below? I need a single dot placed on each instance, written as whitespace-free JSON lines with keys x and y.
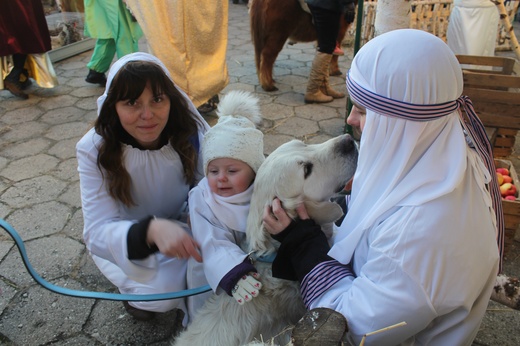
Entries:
{"x":15,"y":88}
{"x":319,"y":71}
{"x":12,"y":80}
{"x":327,"y":89}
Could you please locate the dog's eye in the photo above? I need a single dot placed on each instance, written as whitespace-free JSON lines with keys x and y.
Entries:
{"x":307,"y":169}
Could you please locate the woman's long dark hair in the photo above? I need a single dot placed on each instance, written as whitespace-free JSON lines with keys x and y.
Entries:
{"x":182,"y":125}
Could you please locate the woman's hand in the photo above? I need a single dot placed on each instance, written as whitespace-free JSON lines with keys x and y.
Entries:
{"x":172,"y":240}
{"x":276,"y":219}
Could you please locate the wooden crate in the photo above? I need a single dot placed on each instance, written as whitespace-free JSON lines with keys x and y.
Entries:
{"x":495,"y":93}
{"x":511,"y":208}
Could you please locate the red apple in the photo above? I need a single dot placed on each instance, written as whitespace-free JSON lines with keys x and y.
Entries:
{"x":507,"y":189}
{"x":500,"y":179}
{"x":510,"y":198}
{"x":503,"y":171}
{"x":507,"y":179}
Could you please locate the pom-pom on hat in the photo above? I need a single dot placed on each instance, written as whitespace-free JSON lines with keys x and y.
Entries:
{"x":235,"y":135}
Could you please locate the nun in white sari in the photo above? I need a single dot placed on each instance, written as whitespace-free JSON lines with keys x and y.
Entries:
{"x":419,"y":242}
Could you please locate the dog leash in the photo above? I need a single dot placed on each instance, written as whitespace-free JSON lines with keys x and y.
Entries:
{"x":88,"y":294}
{"x":267,"y":258}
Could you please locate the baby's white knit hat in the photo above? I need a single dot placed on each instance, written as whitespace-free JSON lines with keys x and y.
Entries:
{"x":235,"y":135}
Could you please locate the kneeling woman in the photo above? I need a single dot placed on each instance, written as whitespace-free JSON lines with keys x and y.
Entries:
{"x":136,"y":167}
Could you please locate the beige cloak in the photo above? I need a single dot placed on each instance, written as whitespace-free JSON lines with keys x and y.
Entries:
{"x":190,"y":38}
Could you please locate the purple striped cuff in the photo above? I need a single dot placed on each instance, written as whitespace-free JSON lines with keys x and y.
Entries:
{"x":321,"y":278}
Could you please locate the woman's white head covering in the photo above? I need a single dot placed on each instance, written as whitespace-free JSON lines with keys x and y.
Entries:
{"x":142,"y":56}
{"x":404,"y":162}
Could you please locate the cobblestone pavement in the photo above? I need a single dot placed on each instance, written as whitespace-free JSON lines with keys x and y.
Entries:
{"x":39,"y":197}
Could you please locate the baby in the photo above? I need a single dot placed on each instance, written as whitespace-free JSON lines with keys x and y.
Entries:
{"x":232,"y":152}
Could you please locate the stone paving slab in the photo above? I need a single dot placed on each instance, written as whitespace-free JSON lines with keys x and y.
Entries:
{"x":39,"y":197}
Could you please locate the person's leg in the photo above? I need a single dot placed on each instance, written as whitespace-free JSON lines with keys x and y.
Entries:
{"x":25,"y":81}
{"x":125,"y":43}
{"x":326,"y":23}
{"x":319,"y":72}
{"x":169,"y":276}
{"x":12,"y":80}
{"x":102,"y":57}
{"x":338,"y":50}
{"x":103,"y":54}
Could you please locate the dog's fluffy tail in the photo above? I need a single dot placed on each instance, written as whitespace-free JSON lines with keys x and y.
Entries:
{"x":239,"y":103}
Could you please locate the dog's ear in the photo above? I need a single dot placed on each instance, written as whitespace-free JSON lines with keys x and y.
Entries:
{"x":323,"y":212}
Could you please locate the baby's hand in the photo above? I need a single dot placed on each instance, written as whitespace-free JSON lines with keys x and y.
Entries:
{"x":247,"y":288}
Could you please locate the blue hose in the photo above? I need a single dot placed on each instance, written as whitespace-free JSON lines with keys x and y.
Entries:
{"x":94,"y":295}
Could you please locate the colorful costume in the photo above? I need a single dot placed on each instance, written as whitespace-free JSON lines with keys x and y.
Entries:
{"x":190,"y":37}
{"x":112,"y":24}
{"x":25,"y":41}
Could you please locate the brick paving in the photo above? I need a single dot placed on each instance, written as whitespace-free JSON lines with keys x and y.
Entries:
{"x":39,"y":197}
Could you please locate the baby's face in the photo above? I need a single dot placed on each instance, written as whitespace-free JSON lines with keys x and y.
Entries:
{"x":228,"y":177}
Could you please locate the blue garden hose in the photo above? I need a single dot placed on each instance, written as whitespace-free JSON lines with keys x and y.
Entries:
{"x":94,"y":295}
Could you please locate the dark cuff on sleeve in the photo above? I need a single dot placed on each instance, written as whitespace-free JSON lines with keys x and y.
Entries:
{"x":303,"y":247}
{"x":282,"y":265}
{"x":231,"y":278}
{"x":295,"y":224}
{"x":136,"y":240}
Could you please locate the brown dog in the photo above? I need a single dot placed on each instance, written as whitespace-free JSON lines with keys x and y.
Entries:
{"x":273,"y":22}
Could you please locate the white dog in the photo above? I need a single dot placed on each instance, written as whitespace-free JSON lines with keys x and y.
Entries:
{"x":295,"y":173}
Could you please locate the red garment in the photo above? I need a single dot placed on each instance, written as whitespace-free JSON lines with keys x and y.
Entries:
{"x":23,"y":28}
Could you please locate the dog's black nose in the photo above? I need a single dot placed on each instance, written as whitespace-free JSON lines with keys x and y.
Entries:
{"x":347,"y":144}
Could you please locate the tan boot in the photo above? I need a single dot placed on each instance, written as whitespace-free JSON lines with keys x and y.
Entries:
{"x":327,"y":89}
{"x":319,"y":71}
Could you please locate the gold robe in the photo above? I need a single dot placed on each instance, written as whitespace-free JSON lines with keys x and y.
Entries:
{"x":190,"y":38}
